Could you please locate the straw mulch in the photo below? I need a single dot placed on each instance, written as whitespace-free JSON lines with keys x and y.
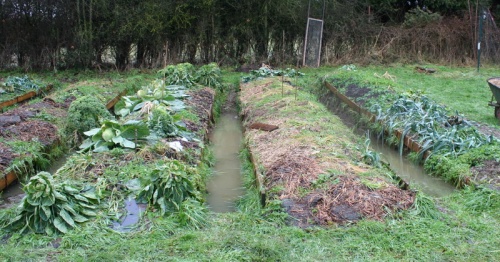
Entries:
{"x":293,"y":159}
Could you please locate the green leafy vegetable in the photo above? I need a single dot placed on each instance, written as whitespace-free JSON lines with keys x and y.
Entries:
{"x":209,"y":75}
{"x":181,"y":74}
{"x":112,"y":134}
{"x":429,"y":123}
{"x":53,"y":208}
{"x":23,"y":84}
{"x":155,"y":94}
{"x":163,"y":124}
{"x":268,"y":72}
{"x":169,"y":185}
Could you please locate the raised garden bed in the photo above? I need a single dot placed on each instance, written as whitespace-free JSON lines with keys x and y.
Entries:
{"x":310,"y":162}
{"x":20,"y":124}
{"x":24,"y":97}
{"x":408,"y":140}
{"x":361,"y":98}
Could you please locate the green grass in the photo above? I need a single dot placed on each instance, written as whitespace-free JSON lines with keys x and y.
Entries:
{"x":460,"y":234}
{"x":460,"y":227}
{"x":461,"y":89}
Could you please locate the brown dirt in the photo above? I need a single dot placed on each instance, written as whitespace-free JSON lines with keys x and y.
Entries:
{"x":292,"y":163}
{"x":6,"y":156}
{"x":488,"y":172}
{"x":31,"y":130}
{"x":47,"y":106}
{"x":202,"y":101}
{"x":27,"y":129}
{"x":488,"y":130}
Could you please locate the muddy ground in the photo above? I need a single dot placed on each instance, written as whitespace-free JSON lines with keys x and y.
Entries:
{"x":24,"y":123}
{"x":295,"y":166}
{"x":488,"y":172}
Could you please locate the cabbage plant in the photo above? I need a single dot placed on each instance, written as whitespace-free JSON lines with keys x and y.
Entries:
{"x":113,"y":134}
{"x":169,"y":185}
{"x":53,"y":208}
{"x":149,"y":96}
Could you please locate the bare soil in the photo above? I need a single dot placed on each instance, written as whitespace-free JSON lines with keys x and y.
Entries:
{"x":20,"y":124}
{"x":488,"y":172}
{"x":6,"y":156}
{"x":202,"y":101}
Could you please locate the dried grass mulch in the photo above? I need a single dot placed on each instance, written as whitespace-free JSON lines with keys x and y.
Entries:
{"x":292,"y":168}
{"x":347,"y":201}
{"x":350,"y":195}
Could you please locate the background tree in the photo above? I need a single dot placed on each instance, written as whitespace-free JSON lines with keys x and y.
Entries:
{"x":58,"y":34}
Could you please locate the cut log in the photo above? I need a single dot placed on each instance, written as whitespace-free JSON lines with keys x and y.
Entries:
{"x":263,"y":127}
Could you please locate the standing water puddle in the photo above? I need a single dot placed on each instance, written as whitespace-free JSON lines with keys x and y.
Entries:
{"x":225,"y":186}
{"x":14,"y":193}
{"x":132,"y":216}
{"x":412,"y":173}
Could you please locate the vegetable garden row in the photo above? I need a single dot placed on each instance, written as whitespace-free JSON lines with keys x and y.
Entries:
{"x":313,"y":171}
{"x":158,"y":132}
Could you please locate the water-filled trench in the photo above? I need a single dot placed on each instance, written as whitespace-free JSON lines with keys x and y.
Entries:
{"x":226,"y":185}
{"x":412,"y":173}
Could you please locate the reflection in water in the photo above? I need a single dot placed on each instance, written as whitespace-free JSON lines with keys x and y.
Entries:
{"x":412,"y":173}
{"x":226,"y":184}
{"x":12,"y":195}
{"x":132,"y":216}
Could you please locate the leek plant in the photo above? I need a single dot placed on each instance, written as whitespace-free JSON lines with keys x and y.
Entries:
{"x":429,"y":123}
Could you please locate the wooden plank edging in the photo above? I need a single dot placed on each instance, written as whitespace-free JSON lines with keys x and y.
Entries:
{"x":7,"y":180}
{"x":259,"y":177}
{"x":411,"y":144}
{"x":115,"y":100}
{"x":23,"y":97}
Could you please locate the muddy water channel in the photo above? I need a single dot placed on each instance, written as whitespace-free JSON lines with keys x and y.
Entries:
{"x":14,"y":193}
{"x":410,"y":172}
{"x":226,"y":185}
